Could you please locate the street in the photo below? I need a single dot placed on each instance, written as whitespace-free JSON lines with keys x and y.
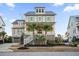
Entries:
{"x":5,"y":51}
{"x":39,"y":53}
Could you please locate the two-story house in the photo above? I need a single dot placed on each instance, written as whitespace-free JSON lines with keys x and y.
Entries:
{"x":17,"y":30}
{"x":2,"y":28}
{"x":2,"y":25}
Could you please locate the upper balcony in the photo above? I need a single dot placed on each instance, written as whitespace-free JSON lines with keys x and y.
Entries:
{"x":18,"y":26}
{"x":40,"y":19}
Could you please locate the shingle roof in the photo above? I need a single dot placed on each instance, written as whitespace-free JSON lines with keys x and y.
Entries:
{"x":50,"y":12}
{"x":31,"y":12}
{"x":39,"y":7}
{"x":16,"y":21}
{"x":46,"y":13}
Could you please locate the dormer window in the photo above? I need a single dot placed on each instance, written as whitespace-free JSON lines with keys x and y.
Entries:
{"x":77,"y":19}
{"x":40,"y":9}
{"x":36,"y":10}
{"x":78,"y":28}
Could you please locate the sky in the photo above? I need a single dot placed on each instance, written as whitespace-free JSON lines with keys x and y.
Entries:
{"x":13,"y":11}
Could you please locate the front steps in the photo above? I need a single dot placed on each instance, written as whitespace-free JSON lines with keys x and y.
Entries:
{"x":28,"y":39}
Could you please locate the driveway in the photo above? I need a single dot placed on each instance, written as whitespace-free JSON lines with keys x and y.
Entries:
{"x":5,"y":47}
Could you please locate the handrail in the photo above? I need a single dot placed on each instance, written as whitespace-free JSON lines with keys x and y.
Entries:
{"x":28,"y":39}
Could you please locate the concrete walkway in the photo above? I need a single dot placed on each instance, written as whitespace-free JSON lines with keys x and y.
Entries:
{"x":5,"y":47}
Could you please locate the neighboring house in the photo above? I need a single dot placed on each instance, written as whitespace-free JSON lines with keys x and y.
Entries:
{"x":17,"y":30}
{"x":2,"y":25}
{"x":2,"y":28}
{"x":73,"y":28}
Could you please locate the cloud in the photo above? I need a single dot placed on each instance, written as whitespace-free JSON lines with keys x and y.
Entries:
{"x":58,"y":4}
{"x":12,"y":5}
{"x":72,"y":7}
{"x":12,"y":20}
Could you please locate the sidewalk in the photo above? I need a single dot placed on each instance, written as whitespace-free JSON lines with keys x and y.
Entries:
{"x":5,"y":47}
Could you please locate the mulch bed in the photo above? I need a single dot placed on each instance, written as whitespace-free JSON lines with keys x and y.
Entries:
{"x":46,"y":49}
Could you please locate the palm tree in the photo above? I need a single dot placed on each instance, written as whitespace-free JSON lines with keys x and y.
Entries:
{"x":22,"y":39}
{"x":47,"y":28}
{"x":39,"y":27}
{"x":31,"y":27}
{"x":2,"y":34}
{"x":39,"y":39}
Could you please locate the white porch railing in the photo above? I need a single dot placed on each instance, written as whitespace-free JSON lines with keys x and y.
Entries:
{"x":28,"y":39}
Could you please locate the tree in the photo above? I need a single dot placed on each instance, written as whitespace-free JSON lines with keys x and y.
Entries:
{"x":31,"y":27}
{"x":47,"y":28}
{"x":8,"y":39}
{"x":39,"y":39}
{"x":39,"y":28}
{"x":22,"y":39}
{"x":2,"y":34}
{"x":59,"y":39}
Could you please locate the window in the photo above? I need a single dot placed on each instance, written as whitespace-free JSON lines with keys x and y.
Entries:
{"x":31,"y":18}
{"x":74,"y":31}
{"x":48,"y":19}
{"x":0,"y":28}
{"x":18,"y":30}
{"x":39,"y":10}
{"x":77,"y":18}
{"x":13,"y":31}
{"x":40,"y":19}
{"x":71,"y":24}
{"x":42,"y":10}
{"x":20,"y":23}
{"x":78,"y":28}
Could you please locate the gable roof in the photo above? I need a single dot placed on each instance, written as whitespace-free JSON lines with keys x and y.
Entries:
{"x":3,"y":24}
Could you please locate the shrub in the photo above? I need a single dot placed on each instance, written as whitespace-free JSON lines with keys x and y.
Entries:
{"x":39,"y":40}
{"x":51,"y":42}
{"x":55,"y":42}
{"x":39,"y":37}
{"x":8,"y":40}
{"x":75,"y":41}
